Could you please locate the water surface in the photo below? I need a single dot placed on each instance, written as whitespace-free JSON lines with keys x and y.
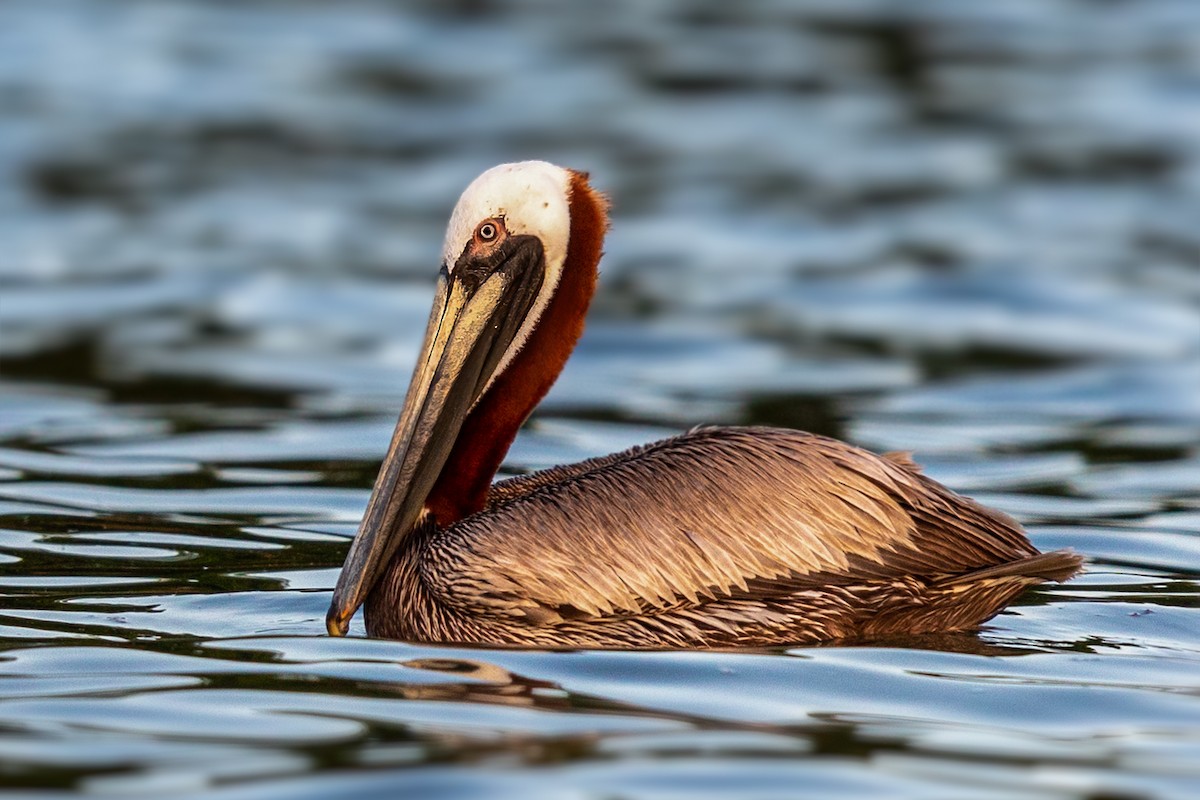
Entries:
{"x":966,"y":230}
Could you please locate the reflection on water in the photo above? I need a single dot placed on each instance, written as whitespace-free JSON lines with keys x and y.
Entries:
{"x":966,"y":230}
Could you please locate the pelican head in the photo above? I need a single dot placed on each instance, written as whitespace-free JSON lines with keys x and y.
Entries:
{"x":514,"y":234}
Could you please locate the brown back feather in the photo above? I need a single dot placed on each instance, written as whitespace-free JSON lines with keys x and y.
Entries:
{"x":714,"y":513}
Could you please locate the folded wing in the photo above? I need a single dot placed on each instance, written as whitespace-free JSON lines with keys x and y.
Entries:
{"x":715,"y":513}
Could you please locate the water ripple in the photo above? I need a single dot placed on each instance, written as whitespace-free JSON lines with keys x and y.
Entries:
{"x":963,"y":230}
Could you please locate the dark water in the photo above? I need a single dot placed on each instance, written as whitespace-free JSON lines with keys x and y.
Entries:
{"x":965,"y":229}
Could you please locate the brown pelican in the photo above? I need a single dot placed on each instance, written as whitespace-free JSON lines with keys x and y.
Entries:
{"x":718,"y":537}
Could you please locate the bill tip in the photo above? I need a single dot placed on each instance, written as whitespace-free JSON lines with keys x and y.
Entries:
{"x":335,"y":624}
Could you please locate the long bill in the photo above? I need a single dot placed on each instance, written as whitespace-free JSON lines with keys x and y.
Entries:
{"x":476,"y":315}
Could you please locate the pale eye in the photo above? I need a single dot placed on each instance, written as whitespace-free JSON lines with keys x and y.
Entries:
{"x":489,"y":231}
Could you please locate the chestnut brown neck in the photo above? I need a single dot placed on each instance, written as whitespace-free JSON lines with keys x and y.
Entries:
{"x":492,"y":425}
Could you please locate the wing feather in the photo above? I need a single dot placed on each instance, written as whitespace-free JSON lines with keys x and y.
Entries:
{"x":714,"y":513}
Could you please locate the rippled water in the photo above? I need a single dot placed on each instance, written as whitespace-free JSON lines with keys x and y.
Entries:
{"x":963,"y":229}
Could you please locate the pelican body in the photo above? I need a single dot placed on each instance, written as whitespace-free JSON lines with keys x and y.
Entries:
{"x":723,"y":536}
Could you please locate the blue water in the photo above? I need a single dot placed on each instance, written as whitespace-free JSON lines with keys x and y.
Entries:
{"x":962,"y":229}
